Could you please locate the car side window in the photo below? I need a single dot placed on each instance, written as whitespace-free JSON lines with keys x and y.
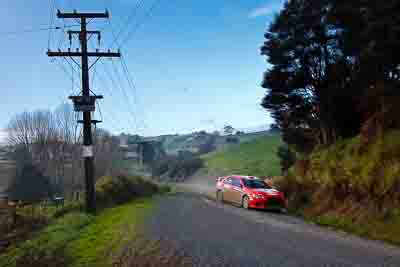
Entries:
{"x":236,"y":182}
{"x":228,"y":180}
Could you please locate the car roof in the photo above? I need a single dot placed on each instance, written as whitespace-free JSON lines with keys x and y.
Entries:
{"x":244,"y":177}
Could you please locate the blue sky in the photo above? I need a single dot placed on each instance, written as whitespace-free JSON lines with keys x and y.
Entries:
{"x":195,"y":64}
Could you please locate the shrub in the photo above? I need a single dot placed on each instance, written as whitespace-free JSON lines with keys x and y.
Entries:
{"x":122,"y":188}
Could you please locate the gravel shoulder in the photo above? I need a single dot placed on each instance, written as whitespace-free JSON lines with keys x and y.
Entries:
{"x":213,"y":234}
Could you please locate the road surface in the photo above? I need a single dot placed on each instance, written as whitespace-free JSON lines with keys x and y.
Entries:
{"x":213,"y":234}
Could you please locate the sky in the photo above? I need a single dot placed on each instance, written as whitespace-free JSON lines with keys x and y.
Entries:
{"x":194,"y":65}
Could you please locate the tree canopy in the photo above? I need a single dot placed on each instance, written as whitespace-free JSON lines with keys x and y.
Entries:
{"x":333,"y":64}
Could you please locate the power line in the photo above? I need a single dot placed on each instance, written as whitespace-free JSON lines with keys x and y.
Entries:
{"x":126,"y":71}
{"x":131,"y":83}
{"x":122,"y":90}
{"x":112,"y":120}
{"x":132,"y":14}
{"x":111,"y":112}
{"x":129,"y":79}
{"x":72,"y":66}
{"x":62,"y":67}
{"x":126,"y":97}
{"x":114,"y":84}
{"x":140,"y":23}
{"x":32,"y":30}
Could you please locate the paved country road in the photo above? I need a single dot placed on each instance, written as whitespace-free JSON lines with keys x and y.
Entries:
{"x":213,"y":234}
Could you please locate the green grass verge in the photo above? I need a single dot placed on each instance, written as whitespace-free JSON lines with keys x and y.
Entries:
{"x":385,"y":229}
{"x":257,"y":157}
{"x":78,"y":239}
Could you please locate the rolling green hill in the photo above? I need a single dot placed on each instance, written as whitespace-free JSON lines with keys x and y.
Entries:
{"x":257,"y":157}
{"x":174,"y":144}
{"x":192,"y":142}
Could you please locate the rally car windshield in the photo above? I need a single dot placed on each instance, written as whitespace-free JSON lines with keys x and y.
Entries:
{"x":255,"y":184}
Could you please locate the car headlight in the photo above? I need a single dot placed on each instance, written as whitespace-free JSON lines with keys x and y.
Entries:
{"x":258,"y":196}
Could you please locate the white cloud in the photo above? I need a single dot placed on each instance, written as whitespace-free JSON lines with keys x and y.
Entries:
{"x":265,"y":10}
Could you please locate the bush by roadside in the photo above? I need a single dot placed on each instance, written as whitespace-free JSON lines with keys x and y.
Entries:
{"x":122,"y":188}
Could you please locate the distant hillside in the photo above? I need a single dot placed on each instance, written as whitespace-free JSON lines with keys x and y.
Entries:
{"x":192,"y":142}
{"x":255,"y":157}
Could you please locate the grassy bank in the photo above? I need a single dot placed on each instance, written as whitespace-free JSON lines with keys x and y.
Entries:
{"x":74,"y":238}
{"x":352,"y":185}
{"x":78,"y":239}
{"x":257,"y":157}
{"x":383,"y":227}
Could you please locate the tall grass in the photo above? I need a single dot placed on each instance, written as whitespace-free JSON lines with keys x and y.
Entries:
{"x":351,"y":185}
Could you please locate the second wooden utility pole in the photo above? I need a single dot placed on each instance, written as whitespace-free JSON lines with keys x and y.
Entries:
{"x":86,"y":102}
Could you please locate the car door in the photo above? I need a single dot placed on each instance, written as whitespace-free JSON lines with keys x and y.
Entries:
{"x":227,"y":190}
{"x":236,"y":194}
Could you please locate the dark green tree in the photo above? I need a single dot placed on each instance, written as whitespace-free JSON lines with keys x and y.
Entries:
{"x":287,"y":158}
{"x":310,"y":90}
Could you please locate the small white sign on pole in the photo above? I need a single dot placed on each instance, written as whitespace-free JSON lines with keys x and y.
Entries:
{"x":87,"y":151}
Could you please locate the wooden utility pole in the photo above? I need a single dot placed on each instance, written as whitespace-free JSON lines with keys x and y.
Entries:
{"x":86,"y":102}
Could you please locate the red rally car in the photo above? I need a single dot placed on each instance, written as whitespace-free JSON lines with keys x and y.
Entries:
{"x":249,"y":192}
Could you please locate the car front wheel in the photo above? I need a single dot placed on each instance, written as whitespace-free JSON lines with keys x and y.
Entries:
{"x":245,"y":202}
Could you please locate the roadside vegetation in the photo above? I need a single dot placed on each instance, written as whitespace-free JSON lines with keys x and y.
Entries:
{"x":332,"y":88}
{"x":257,"y":157}
{"x":351,"y":185}
{"x":112,"y":237}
